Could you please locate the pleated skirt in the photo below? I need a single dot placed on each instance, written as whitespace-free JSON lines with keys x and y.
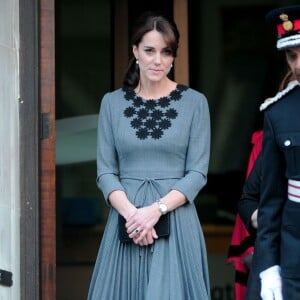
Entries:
{"x":173,"y":268}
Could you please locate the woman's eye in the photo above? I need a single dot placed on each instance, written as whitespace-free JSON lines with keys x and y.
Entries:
{"x":167,"y":52}
{"x":148,"y":50}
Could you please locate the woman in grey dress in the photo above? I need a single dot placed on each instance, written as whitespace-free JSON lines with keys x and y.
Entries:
{"x":152,"y":160}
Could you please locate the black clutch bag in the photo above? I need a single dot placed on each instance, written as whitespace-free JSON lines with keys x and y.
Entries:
{"x":162,"y":228}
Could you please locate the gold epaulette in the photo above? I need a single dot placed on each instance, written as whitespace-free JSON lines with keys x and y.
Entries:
{"x":279,"y":95}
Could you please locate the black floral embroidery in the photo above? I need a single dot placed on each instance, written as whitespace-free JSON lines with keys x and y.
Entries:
{"x":164,"y":102}
{"x":150,"y":104}
{"x":138,"y":102}
{"x":136,"y":123}
{"x":129,"y":112}
{"x":157,"y":114}
{"x":143,"y":113}
{"x":129,"y":95}
{"x":171,"y":113}
{"x":156,"y":133}
{"x":142,"y":133}
{"x":150,"y":123}
{"x":176,"y":95}
{"x":151,"y":117}
{"x":165,"y":124}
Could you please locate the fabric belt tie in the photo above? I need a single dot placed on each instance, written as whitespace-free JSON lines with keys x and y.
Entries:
{"x":294,"y":190}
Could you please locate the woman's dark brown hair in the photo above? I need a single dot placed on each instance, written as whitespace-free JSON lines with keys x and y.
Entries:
{"x":147,"y":22}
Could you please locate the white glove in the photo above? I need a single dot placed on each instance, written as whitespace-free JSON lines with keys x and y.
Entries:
{"x":271,"y":284}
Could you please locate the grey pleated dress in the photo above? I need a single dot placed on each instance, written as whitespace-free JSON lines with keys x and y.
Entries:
{"x":147,"y":148}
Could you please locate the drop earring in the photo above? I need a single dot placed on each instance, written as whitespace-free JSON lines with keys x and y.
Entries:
{"x":137,"y":61}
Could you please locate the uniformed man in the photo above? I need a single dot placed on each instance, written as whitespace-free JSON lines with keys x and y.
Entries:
{"x":277,"y":247}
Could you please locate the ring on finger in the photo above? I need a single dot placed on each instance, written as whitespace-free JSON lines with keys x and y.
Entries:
{"x":137,"y":230}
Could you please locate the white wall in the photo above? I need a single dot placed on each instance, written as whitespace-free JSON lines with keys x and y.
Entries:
{"x":9,"y":147}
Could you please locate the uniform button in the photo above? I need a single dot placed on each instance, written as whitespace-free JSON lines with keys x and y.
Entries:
{"x":287,"y":143}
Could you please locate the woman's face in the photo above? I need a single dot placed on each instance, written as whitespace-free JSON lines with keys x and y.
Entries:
{"x":155,"y":58}
{"x":293,"y":60}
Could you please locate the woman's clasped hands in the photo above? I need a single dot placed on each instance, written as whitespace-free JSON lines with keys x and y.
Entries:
{"x":140,"y":224}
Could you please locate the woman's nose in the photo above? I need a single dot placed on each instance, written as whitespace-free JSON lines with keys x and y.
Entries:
{"x":157,"y":58}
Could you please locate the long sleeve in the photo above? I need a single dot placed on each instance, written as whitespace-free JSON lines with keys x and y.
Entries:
{"x":273,"y":195}
{"x":107,"y":161}
{"x":197,"y":158}
{"x":251,"y":194}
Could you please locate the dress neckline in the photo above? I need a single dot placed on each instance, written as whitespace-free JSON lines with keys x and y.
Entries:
{"x":174,"y":94}
{"x":156,"y":99}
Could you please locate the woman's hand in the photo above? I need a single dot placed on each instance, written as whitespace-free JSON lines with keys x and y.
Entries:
{"x":149,"y":239}
{"x":140,"y":226}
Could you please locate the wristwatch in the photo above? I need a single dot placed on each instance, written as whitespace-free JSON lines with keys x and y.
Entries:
{"x":162,"y":207}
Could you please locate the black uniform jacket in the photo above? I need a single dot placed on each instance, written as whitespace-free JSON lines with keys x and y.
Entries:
{"x":251,"y":195}
{"x":278,"y":235}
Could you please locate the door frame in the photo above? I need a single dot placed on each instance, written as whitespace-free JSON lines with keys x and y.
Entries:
{"x":37,"y":149}
{"x":29,"y":150}
{"x":47,"y":155}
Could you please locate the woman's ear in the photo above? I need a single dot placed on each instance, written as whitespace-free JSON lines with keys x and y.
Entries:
{"x":135,"y":52}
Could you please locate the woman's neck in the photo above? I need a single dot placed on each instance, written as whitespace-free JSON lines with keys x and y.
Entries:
{"x":155,"y":90}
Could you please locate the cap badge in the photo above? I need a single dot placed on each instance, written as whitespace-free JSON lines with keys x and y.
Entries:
{"x":287,"y":24}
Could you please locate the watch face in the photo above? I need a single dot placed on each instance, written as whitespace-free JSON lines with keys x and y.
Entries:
{"x":163,"y":208}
